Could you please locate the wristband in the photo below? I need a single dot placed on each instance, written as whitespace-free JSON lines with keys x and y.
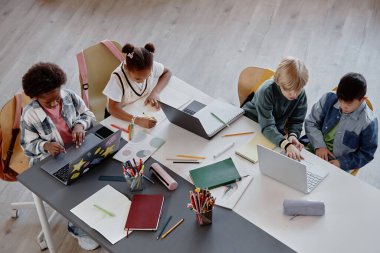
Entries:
{"x":134,"y":119}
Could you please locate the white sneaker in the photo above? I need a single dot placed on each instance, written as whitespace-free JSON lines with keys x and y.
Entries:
{"x":84,"y":241}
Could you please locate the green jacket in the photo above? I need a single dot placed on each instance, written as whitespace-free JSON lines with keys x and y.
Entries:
{"x":274,"y":112}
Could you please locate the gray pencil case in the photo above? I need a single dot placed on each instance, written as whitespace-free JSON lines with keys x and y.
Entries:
{"x":294,"y":207}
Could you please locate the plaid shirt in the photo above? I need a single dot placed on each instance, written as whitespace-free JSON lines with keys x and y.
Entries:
{"x":37,"y":128}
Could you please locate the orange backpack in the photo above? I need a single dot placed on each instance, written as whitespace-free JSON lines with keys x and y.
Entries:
{"x":13,"y":160}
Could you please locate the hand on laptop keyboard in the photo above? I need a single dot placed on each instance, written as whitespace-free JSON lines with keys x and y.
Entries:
{"x":54,"y":148}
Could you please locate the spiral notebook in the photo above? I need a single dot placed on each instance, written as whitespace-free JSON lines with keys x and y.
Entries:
{"x":218,"y":115}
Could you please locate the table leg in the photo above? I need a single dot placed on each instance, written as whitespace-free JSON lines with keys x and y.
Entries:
{"x":44,"y":222}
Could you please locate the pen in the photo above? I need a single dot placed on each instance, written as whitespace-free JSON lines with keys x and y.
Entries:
{"x":163,"y":228}
{"x":224,"y":149}
{"x":117,"y":127}
{"x":150,"y":117}
{"x":213,"y":114}
{"x":237,"y":134}
{"x":104,"y":210}
{"x":172,"y":228}
{"x":191,"y":156}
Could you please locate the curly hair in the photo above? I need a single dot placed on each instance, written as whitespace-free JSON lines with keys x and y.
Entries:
{"x":42,"y":78}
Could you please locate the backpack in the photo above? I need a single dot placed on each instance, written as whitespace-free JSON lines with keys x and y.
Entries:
{"x":102,"y":59}
{"x":13,"y":160}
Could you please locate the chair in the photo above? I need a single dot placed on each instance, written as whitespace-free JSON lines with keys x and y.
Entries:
{"x":250,"y":80}
{"x":369,"y":104}
{"x":18,"y":162}
{"x":100,"y":62}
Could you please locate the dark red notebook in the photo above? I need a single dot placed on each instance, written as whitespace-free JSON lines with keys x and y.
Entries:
{"x":145,"y":212}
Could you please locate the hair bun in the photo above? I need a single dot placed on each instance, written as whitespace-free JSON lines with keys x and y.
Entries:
{"x":127,"y":48}
{"x":150,"y":47}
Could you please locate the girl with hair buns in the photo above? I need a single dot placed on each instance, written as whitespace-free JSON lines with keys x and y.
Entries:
{"x":139,"y":76}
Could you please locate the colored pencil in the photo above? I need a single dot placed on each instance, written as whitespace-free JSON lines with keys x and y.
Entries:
{"x":237,"y":134}
{"x":172,"y":228}
{"x":191,"y":156}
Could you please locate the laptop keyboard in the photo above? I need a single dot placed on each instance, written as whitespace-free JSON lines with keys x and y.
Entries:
{"x":312,"y":180}
{"x":63,"y":173}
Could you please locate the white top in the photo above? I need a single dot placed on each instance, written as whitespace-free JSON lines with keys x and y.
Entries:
{"x":132,"y":90}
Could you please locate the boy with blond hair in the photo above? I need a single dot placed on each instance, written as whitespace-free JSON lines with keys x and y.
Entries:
{"x":280,"y":105}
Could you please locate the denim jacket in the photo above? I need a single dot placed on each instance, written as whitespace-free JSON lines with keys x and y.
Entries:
{"x":355,"y":141}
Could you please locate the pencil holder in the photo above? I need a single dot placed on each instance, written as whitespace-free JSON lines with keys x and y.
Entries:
{"x":135,"y":183}
{"x":204,"y":218}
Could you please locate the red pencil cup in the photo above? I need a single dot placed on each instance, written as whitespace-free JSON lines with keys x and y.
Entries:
{"x":204,"y":218}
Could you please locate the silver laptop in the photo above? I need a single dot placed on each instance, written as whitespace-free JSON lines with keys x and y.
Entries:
{"x":302,"y":176}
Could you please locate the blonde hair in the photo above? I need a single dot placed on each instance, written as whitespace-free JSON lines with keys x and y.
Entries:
{"x":291,"y":74}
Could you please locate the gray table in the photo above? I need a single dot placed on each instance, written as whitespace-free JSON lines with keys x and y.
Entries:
{"x":228,"y":233}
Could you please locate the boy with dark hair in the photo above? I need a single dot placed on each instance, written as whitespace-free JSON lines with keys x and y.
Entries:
{"x":341,"y":128}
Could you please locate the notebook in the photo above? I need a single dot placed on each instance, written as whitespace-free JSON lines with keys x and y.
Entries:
{"x":214,"y":114}
{"x":228,"y":195}
{"x":249,"y":150}
{"x":215,"y":175}
{"x":145,"y":212}
{"x":68,"y":167}
{"x":110,"y":225}
{"x":302,"y":176}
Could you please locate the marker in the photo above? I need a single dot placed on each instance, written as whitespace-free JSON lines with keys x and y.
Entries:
{"x":224,"y":150}
{"x":213,"y":114}
{"x":104,"y":210}
{"x":172,"y":228}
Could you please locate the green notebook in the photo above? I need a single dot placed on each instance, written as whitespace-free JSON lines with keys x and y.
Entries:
{"x":215,"y":175}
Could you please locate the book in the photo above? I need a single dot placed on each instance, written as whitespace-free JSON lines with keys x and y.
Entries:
{"x":215,"y":175}
{"x":228,"y":195}
{"x":218,"y":115}
{"x":142,"y":145}
{"x":105,"y":211}
{"x":249,"y":150}
{"x":145,"y":212}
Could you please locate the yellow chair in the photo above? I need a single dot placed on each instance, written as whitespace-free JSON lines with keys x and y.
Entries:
{"x":18,"y":162}
{"x":369,"y":104}
{"x":250,"y":80}
{"x":100,"y":63}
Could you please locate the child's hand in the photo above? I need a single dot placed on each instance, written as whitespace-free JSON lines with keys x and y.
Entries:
{"x":293,"y":152}
{"x":54,"y":148}
{"x":335,"y":162}
{"x":78,"y":134}
{"x":145,"y":122}
{"x":324,"y":153}
{"x":152,"y":100}
{"x":293,"y":140}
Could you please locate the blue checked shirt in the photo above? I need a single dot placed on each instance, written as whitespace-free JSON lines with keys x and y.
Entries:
{"x":37,"y":128}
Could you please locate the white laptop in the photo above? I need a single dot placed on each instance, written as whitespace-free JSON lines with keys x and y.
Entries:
{"x":302,"y":176}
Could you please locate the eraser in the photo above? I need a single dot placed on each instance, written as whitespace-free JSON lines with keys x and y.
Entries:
{"x":163,"y":176}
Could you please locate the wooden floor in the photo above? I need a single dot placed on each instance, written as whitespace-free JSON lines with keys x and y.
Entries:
{"x":206,"y":43}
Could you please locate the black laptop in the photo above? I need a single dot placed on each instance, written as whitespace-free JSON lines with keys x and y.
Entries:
{"x":68,"y":167}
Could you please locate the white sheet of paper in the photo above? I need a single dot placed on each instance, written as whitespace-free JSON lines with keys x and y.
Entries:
{"x":112,"y":228}
{"x":228,"y":197}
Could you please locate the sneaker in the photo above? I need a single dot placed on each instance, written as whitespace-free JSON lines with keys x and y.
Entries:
{"x":84,"y":241}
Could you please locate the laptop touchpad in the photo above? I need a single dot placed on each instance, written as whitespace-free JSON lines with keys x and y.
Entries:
{"x":193,"y":107}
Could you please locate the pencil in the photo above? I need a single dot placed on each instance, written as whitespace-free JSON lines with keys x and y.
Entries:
{"x":104,"y":210}
{"x":237,"y":134}
{"x":213,"y":114}
{"x":117,"y":127}
{"x":186,"y":162}
{"x":191,"y":156}
{"x":182,"y":159}
{"x":172,"y":228}
{"x":163,"y":228}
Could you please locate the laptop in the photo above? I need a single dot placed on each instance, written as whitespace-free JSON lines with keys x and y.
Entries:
{"x":302,"y":176}
{"x":185,"y":119}
{"x":68,"y":167}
